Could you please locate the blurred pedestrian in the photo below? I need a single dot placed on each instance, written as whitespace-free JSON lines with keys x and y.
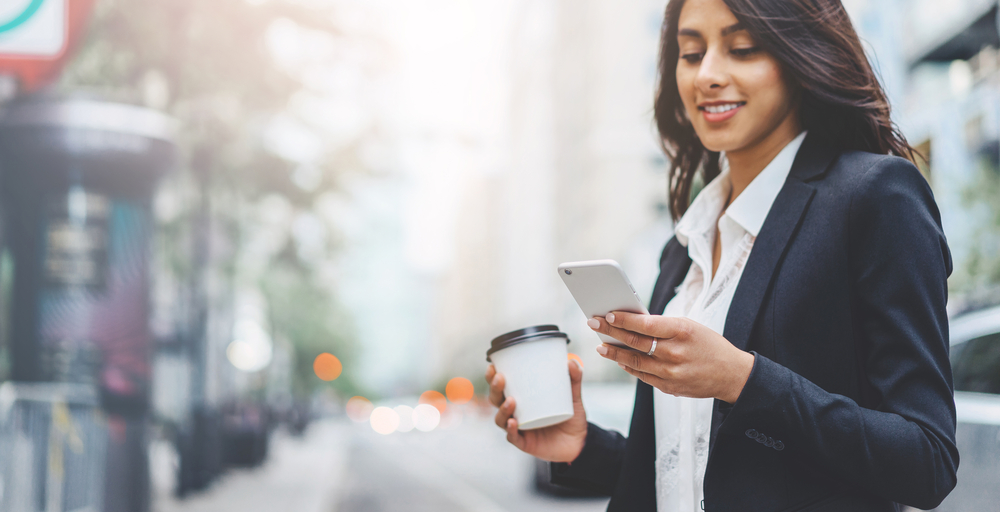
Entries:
{"x":801,"y":358}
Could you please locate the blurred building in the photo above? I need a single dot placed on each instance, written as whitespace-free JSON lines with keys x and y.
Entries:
{"x":939,"y":64}
{"x":520,"y":137}
{"x":581,"y":177}
{"x":951,"y":108}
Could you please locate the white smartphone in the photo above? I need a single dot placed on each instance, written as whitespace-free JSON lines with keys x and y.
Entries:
{"x":600,"y":287}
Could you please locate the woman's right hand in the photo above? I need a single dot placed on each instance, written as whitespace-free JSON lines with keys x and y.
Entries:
{"x":559,"y":443}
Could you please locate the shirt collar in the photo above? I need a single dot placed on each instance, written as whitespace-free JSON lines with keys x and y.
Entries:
{"x":700,"y":217}
{"x":752,"y":206}
{"x":749,"y":209}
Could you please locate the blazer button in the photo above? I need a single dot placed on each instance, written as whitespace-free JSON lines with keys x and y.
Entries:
{"x":769,"y":443}
{"x":762,"y":439}
{"x":778,"y":445}
{"x":752,"y":434}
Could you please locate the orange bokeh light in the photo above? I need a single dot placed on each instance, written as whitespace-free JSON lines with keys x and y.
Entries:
{"x":434,"y":398}
{"x":459,"y":390}
{"x":327,"y":366}
{"x":576,"y":358}
{"x":359,"y":409}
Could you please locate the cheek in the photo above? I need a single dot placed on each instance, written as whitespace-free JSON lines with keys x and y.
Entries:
{"x":685,"y":87}
{"x":765,"y":83}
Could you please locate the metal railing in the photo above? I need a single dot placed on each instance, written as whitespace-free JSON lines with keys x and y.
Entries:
{"x":53,"y":445}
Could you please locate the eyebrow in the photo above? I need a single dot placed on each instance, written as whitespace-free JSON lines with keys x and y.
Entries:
{"x":690,"y":32}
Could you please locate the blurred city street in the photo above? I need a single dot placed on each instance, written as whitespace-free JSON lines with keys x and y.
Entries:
{"x":227,"y":276}
{"x":340,"y":466}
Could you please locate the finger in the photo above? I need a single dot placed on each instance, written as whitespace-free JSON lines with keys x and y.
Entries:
{"x":514,"y":436}
{"x":575,"y":380}
{"x":496,"y":389}
{"x":504,"y":413}
{"x":491,"y":372}
{"x":629,"y":338}
{"x":654,"y":326}
{"x":648,"y":378}
{"x":629,"y":358}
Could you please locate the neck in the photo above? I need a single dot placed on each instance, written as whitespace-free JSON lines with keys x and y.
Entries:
{"x":746,"y":163}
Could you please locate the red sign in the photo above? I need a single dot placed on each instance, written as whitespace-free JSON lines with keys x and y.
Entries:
{"x":31,"y":47}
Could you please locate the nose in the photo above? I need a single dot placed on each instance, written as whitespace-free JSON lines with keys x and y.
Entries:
{"x":712,"y":73}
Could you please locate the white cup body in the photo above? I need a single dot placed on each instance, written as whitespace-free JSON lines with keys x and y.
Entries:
{"x":537,"y":378}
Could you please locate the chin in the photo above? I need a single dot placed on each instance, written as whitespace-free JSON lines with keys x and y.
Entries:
{"x":717,"y":142}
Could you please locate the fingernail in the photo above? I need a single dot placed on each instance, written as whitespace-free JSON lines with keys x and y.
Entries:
{"x":610,"y":318}
{"x":593,"y":323}
{"x":601,"y":349}
{"x":621,"y":366}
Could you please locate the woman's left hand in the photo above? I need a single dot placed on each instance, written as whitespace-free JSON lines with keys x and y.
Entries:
{"x":690,"y":359}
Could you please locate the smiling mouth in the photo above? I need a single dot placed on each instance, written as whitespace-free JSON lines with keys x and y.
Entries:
{"x":723,"y":108}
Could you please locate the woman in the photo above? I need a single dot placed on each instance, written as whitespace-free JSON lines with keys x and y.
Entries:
{"x":801,"y":361}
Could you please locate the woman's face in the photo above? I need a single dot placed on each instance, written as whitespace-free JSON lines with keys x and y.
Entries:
{"x":735,"y":94}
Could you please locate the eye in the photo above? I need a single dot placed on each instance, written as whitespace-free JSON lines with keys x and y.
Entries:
{"x":744,"y":52}
{"x":691,"y":58}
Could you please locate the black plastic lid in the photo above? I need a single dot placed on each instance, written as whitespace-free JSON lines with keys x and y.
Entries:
{"x":521,"y":335}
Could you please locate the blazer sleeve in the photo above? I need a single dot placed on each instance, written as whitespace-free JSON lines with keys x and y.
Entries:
{"x":597,"y":467}
{"x":902,"y":446}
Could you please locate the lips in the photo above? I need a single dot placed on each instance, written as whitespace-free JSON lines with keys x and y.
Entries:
{"x":716,"y":112}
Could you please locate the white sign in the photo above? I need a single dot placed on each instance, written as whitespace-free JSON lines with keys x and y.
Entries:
{"x":33,"y":28}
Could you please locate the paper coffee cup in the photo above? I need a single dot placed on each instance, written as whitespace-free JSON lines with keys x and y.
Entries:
{"x":533,"y":361}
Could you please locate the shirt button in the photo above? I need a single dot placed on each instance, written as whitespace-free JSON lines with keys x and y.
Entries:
{"x":752,"y":434}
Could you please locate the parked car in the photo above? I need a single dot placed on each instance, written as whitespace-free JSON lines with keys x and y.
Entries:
{"x":975,"y":363}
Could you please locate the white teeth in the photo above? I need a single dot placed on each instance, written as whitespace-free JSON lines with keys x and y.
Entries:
{"x":718,"y":109}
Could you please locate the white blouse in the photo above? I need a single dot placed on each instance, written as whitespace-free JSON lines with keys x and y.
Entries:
{"x":683,"y":424}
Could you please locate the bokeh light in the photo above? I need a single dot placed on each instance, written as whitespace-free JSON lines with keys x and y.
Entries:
{"x":436,"y":399}
{"x":384,"y":420}
{"x":359,"y":409}
{"x":327,"y":366}
{"x":576,"y":358}
{"x":426,"y":417}
{"x":251,"y":351}
{"x":405,"y":413}
{"x":459,"y":390}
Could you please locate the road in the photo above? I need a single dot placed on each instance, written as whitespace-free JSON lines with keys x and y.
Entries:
{"x":467,"y":467}
{"x":343,"y":467}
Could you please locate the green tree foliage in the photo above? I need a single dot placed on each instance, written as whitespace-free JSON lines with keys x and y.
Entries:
{"x":982,"y":268}
{"x":207,"y":64}
{"x":304,"y":313}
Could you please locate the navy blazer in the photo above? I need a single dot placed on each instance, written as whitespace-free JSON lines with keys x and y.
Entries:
{"x":849,"y":405}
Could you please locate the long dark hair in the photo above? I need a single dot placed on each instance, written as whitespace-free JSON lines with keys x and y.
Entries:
{"x":814,"y":40}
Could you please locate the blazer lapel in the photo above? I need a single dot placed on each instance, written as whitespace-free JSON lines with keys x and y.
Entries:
{"x":779,"y":227}
{"x":636,"y":489}
{"x":674,"y":265}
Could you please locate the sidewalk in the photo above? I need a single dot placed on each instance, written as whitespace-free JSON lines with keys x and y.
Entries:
{"x":300,"y":475}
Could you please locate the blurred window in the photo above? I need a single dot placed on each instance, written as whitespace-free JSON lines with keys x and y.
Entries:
{"x":924,"y":158}
{"x":976,"y":365}
{"x":974,"y":132}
